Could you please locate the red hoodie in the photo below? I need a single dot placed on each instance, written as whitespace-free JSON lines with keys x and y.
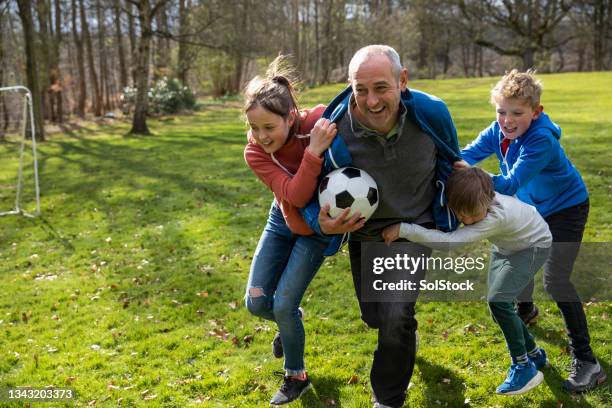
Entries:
{"x":291,"y":192}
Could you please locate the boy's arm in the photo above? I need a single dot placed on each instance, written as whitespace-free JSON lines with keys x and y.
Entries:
{"x":481,"y":148}
{"x":534,"y":156}
{"x":450,"y":240}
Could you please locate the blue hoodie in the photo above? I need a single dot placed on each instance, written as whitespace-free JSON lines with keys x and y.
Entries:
{"x":432,"y":116}
{"x":535,"y":167}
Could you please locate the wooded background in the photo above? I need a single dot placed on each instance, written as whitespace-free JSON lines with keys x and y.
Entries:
{"x":77,"y":56}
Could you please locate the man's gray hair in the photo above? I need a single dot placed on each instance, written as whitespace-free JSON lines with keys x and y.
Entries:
{"x":376,"y":49}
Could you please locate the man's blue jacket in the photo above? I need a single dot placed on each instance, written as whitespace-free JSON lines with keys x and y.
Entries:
{"x":432,"y":116}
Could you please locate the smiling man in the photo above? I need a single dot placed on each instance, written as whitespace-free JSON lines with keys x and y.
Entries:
{"x":406,"y":140}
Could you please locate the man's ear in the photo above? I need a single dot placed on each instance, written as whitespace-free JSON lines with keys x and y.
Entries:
{"x":537,"y":111}
{"x":403,"y":79}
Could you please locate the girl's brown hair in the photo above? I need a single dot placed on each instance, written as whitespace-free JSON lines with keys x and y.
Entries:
{"x":276,"y":91}
{"x":469,"y":190}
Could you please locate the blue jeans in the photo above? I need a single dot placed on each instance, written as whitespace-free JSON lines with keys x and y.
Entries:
{"x":282,"y":268}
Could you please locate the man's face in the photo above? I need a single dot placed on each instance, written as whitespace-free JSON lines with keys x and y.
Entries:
{"x":377,"y":93}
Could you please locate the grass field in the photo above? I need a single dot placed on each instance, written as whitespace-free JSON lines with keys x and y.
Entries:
{"x":129,"y":286}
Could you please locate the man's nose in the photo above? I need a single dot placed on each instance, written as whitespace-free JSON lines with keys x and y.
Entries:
{"x":372,"y":100}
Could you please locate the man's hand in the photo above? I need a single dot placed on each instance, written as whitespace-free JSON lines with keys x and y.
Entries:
{"x":341,"y":224}
{"x":461,"y":164}
{"x":391,"y":233}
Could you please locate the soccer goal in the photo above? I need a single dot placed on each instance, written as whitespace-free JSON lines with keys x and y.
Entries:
{"x":16,"y":133}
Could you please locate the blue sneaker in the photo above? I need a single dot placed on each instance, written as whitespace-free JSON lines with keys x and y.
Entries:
{"x":520,"y":379}
{"x":541,"y":361}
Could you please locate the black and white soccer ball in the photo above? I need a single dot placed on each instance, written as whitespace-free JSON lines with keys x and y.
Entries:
{"x":349,"y":187}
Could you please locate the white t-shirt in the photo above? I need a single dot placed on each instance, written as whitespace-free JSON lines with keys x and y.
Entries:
{"x":510,"y":225}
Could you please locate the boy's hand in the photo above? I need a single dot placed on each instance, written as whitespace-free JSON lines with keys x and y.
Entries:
{"x":340,"y":224}
{"x":460,"y":164}
{"x":321,"y":136}
{"x":391,"y":233}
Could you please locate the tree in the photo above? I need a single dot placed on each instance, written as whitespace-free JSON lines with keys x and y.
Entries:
{"x":529,"y":23}
{"x":25,"y":14}
{"x":146,"y":13}
{"x":78,"y":41}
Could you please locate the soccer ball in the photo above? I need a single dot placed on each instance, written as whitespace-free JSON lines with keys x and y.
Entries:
{"x":349,"y":187}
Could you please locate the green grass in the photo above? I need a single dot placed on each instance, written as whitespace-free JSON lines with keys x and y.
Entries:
{"x":129,"y":286}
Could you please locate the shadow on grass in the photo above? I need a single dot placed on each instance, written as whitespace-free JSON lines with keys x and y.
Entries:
{"x":54,"y":234}
{"x":325,"y":393}
{"x":440,"y":384}
{"x":551,"y":336}
{"x":554,"y":377}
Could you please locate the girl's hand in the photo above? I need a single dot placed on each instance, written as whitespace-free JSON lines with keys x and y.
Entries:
{"x":321,"y":136}
{"x":391,"y":233}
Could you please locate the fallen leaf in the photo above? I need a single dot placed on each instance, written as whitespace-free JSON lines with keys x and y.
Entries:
{"x":248,"y":339}
{"x":91,"y":403}
{"x":232,"y":305}
{"x":353,"y":380}
{"x":445,"y":334}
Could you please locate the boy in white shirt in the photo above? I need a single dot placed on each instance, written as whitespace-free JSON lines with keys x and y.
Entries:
{"x":521,"y":243}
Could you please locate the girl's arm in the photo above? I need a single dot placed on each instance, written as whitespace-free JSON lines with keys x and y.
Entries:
{"x":296,"y":190}
{"x":299,"y":188}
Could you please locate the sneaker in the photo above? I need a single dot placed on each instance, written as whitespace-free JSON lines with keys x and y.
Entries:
{"x":584,"y":376}
{"x":379,"y":405}
{"x":541,"y":361}
{"x":277,"y":343}
{"x":520,"y":379}
{"x":528,"y":312}
{"x":290,"y":390}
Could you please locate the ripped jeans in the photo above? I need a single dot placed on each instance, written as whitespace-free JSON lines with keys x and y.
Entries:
{"x":282,"y":268}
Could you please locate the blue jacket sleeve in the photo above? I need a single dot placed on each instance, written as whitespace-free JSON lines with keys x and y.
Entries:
{"x":533,"y":157}
{"x":481,"y":148}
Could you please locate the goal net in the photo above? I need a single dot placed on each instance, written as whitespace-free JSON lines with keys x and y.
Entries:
{"x":19,"y":189}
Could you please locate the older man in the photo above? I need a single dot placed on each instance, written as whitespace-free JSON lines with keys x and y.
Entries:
{"x":406,"y":140}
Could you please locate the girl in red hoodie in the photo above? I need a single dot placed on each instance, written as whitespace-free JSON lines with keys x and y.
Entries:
{"x":289,"y":254}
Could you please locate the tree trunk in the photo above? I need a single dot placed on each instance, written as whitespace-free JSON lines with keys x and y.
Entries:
{"x":119,"y":38}
{"x":96,"y":102}
{"x":42,"y":9}
{"x":182,"y":60}
{"x":104,"y":75}
{"x":25,"y":14}
{"x":78,"y":41}
{"x":133,"y":43}
{"x":139,"y":123}
{"x":56,"y":81}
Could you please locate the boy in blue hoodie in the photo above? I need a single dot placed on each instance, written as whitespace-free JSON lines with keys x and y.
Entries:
{"x":534,"y":167}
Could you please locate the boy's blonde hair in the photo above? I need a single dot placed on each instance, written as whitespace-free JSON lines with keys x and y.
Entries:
{"x":518,"y":85}
{"x":469,"y":191}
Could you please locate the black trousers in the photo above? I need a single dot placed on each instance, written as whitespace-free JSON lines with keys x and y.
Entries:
{"x":567,"y":228}
{"x":395,"y":353}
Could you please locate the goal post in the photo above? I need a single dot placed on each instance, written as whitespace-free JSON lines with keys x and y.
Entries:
{"x":20,"y":113}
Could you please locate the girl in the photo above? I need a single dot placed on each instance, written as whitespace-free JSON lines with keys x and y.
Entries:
{"x":289,"y":253}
